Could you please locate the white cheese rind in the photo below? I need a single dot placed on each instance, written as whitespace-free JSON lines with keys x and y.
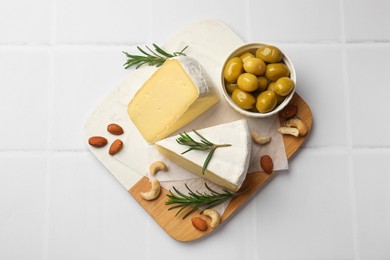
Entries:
{"x":194,"y":70}
{"x":229,"y":163}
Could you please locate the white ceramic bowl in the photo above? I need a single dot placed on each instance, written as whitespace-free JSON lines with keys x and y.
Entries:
{"x":252,"y":47}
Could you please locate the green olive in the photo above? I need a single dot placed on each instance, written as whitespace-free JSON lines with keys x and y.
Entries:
{"x":279,"y":99}
{"x":247,"y":82}
{"x":275,"y":71}
{"x":283,"y":86}
{"x":266,"y":101}
{"x":233,"y":69}
{"x":263,"y":83}
{"x":243,"y":99}
{"x":255,"y":66}
{"x":246,"y":56}
{"x":230,"y":87}
{"x":271,"y":86}
{"x":254,"y":110}
{"x":269,"y":54}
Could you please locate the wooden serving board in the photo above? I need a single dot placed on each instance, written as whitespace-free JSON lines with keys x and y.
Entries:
{"x":182,"y":230}
{"x":209,"y":42}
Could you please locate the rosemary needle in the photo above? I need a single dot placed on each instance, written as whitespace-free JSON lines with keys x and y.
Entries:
{"x":203,"y":145}
{"x":154,"y":58}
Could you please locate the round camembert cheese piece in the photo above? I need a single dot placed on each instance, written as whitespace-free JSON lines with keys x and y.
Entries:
{"x":228,"y":166}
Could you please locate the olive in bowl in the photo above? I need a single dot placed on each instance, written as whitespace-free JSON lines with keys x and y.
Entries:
{"x":258,"y":80}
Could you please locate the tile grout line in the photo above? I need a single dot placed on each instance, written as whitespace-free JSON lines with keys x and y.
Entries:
{"x":51,"y":49}
{"x":355,"y":231}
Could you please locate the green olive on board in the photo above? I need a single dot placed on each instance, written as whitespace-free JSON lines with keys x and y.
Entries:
{"x":233,"y":69}
{"x":230,"y":87}
{"x":271,"y":85}
{"x":258,"y":79}
{"x":243,"y":99}
{"x":269,"y":54}
{"x":279,"y":99}
{"x":283,"y":86}
{"x":253,"y":110}
{"x":262,"y":82}
{"x":255,"y":66}
{"x":266,"y":101}
{"x":246,"y":55}
{"x":247,"y":82}
{"x":274,"y":71}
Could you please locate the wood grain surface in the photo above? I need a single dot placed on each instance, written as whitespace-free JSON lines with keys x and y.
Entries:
{"x":182,"y":230}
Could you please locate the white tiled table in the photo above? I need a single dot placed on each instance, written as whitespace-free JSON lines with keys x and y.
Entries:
{"x":59,"y":58}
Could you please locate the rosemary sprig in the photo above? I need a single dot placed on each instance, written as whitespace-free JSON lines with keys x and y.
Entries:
{"x":154,"y":58}
{"x":203,"y":145}
{"x":195,"y":200}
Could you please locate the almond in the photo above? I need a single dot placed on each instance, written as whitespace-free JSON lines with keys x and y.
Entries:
{"x":289,"y":111}
{"x":115,"y":129}
{"x":199,"y":223}
{"x":115,"y":147}
{"x":267,"y":164}
{"x":97,"y":141}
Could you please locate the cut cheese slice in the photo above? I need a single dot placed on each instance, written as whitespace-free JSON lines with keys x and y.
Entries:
{"x":228,"y":166}
{"x":175,"y":95}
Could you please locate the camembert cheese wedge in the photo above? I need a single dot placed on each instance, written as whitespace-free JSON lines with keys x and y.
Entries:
{"x":175,"y":95}
{"x":228,"y":166}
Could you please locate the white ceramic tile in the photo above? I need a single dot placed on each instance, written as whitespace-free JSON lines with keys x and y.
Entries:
{"x":320,"y":82}
{"x":233,"y":240}
{"x":372,"y":181}
{"x":300,"y":20}
{"x":22,"y":210}
{"x":83,"y":77}
{"x":91,"y":213}
{"x":171,"y":16}
{"x":23,"y":21}
{"x":367,"y":20}
{"x":125,"y":229}
{"x":104,"y":21}
{"x":24,"y":91}
{"x":369,"y":92}
{"x":305,"y":213}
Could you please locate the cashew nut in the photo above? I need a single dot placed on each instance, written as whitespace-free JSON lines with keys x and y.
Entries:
{"x":157,"y":166}
{"x":299,"y":124}
{"x":214,"y":215}
{"x":289,"y":131}
{"x":260,"y":139}
{"x":154,"y":192}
